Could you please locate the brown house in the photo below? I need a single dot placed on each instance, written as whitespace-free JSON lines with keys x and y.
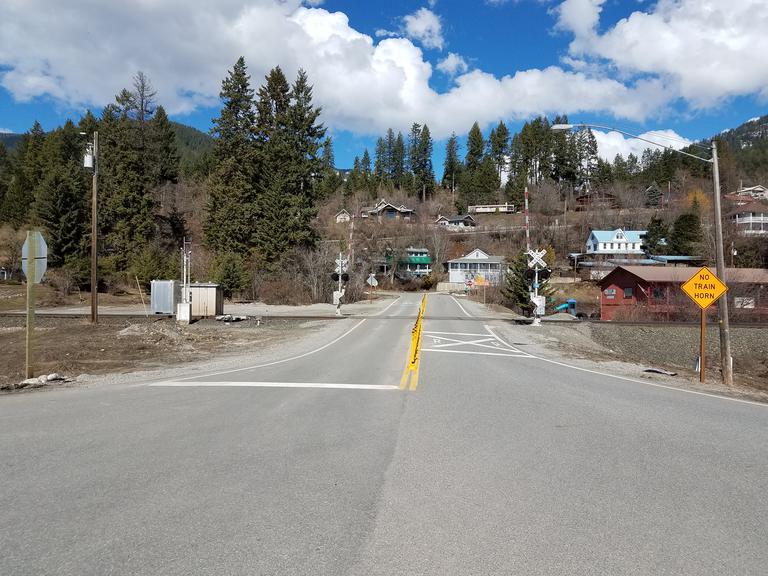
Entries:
{"x":648,"y":292}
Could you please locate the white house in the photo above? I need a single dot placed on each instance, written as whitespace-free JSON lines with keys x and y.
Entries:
{"x":342,"y":216}
{"x":476,"y":266}
{"x":615,"y":242}
{"x":492,"y":209}
{"x":756,"y":192}
{"x":453,"y":222}
{"x":751,"y":218}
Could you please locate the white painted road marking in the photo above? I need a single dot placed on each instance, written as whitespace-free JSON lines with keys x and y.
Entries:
{"x":202,"y":384}
{"x":462,"y":307}
{"x":521,"y":355}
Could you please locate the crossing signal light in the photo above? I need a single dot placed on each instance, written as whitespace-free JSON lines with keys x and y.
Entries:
{"x":335,"y":277}
{"x":345,"y":277}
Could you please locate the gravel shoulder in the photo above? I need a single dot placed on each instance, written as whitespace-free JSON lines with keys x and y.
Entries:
{"x":629,"y":351}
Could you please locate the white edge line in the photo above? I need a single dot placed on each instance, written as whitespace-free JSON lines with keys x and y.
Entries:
{"x":323,"y":347}
{"x":521,"y":355}
{"x":636,"y":381}
{"x":462,"y":307}
{"x":387,"y":308}
{"x":203,"y":384}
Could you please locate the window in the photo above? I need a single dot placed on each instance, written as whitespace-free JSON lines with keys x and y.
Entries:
{"x":463,"y":265}
{"x":494,"y":266}
{"x":473,"y":266}
{"x":627,"y":292}
{"x":659,"y":293}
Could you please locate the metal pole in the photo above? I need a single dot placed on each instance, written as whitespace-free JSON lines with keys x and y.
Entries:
{"x":31,"y":272}
{"x":702,"y":345}
{"x":95,"y":232}
{"x":527,"y":227}
{"x":725,"y":335}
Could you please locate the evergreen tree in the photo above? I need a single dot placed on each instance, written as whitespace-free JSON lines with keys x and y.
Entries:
{"x":306,"y":134}
{"x":162,"y":155}
{"x":652,"y":196}
{"x":380,"y":163}
{"x":365,"y":170}
{"x":452,"y":166}
{"x":499,"y":147}
{"x":656,"y":239}
{"x":230,"y":273}
{"x":516,"y":289}
{"x":586,"y":146}
{"x":231,"y":210}
{"x":388,"y":158}
{"x":331,"y":181}
{"x":687,"y":235}
{"x":475,"y":148}
{"x":398,"y":162}
{"x":423,"y":173}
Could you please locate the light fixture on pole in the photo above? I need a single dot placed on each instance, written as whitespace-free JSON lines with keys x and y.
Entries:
{"x":91,"y":160}
{"x":725,"y":336}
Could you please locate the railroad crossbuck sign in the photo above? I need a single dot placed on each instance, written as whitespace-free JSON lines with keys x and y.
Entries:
{"x":704,"y":288}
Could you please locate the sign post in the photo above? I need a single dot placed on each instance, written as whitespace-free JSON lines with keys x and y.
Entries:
{"x":34,"y":262}
{"x":704,"y":288}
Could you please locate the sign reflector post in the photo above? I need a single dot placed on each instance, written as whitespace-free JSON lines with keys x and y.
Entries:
{"x":704,"y":288}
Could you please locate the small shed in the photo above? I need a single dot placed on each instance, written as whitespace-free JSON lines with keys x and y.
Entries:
{"x":207,"y":299}
{"x":164,"y":295}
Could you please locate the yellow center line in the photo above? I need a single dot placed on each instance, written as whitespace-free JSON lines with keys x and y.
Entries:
{"x":410,"y":378}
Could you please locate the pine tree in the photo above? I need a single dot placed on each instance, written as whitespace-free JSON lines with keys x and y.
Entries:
{"x":499,"y":147}
{"x":162,"y":156}
{"x":452,"y":166}
{"x":306,"y":134}
{"x":398,"y":162}
{"x":516,"y":289}
{"x":424,"y":175}
{"x":380,"y":163}
{"x":331,"y":181}
{"x":231,"y":210}
{"x":656,"y":237}
{"x":687,"y":235}
{"x":475,"y":148}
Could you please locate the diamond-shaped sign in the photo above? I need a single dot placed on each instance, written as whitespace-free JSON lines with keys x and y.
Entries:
{"x":704,"y":288}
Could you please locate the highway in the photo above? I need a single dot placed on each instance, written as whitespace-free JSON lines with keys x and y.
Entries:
{"x":488,"y":460}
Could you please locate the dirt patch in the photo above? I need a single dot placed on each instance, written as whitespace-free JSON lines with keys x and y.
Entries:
{"x":72,"y":346}
{"x":671,"y":347}
{"x":14,"y":297}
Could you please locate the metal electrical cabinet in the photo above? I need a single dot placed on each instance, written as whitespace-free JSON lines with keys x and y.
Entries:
{"x":207,"y":300}
{"x":165,"y":294}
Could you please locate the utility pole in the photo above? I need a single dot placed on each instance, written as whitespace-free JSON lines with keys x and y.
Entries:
{"x":725,"y":330}
{"x":95,"y":232}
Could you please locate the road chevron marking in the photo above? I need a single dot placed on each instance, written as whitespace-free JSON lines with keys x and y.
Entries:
{"x":518,"y":355}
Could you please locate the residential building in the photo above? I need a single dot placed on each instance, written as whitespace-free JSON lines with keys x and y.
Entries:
{"x":646,"y":292}
{"x":416,"y":263}
{"x":492,"y":209}
{"x":456,"y":222}
{"x":476,"y":266}
{"x":343,"y":217}
{"x":386,"y":211}
{"x":754,"y":192}
{"x":751,"y":218}
{"x":615,"y":243}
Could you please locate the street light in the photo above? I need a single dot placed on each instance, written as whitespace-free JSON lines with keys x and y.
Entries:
{"x":725,"y":335}
{"x":91,"y":160}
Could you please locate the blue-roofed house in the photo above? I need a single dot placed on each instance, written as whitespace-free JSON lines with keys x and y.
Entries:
{"x":607,"y":244}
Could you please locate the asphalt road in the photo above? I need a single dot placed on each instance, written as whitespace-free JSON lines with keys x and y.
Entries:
{"x":496,"y":462}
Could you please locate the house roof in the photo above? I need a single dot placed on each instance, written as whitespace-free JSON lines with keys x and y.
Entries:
{"x":665,"y":258}
{"x":342,"y":211}
{"x":457,"y":218}
{"x":609,"y":235}
{"x":484,"y":258}
{"x":382,"y":204}
{"x":755,"y":206}
{"x":661,"y":274}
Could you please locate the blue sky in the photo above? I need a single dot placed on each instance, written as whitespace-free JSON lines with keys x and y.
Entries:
{"x":688,"y":68}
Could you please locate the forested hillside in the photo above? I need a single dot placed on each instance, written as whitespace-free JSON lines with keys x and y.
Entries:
{"x":257,"y":197}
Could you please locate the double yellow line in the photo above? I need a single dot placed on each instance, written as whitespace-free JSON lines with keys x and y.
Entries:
{"x":411,"y":372}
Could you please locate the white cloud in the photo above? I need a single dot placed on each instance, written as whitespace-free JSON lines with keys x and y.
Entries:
{"x":452,"y":64}
{"x":5,"y":131}
{"x":81,"y":57}
{"x":425,"y":27}
{"x":703,"y":50}
{"x":611,"y":143}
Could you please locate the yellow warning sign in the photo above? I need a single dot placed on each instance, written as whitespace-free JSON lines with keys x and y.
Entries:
{"x":704,"y":288}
